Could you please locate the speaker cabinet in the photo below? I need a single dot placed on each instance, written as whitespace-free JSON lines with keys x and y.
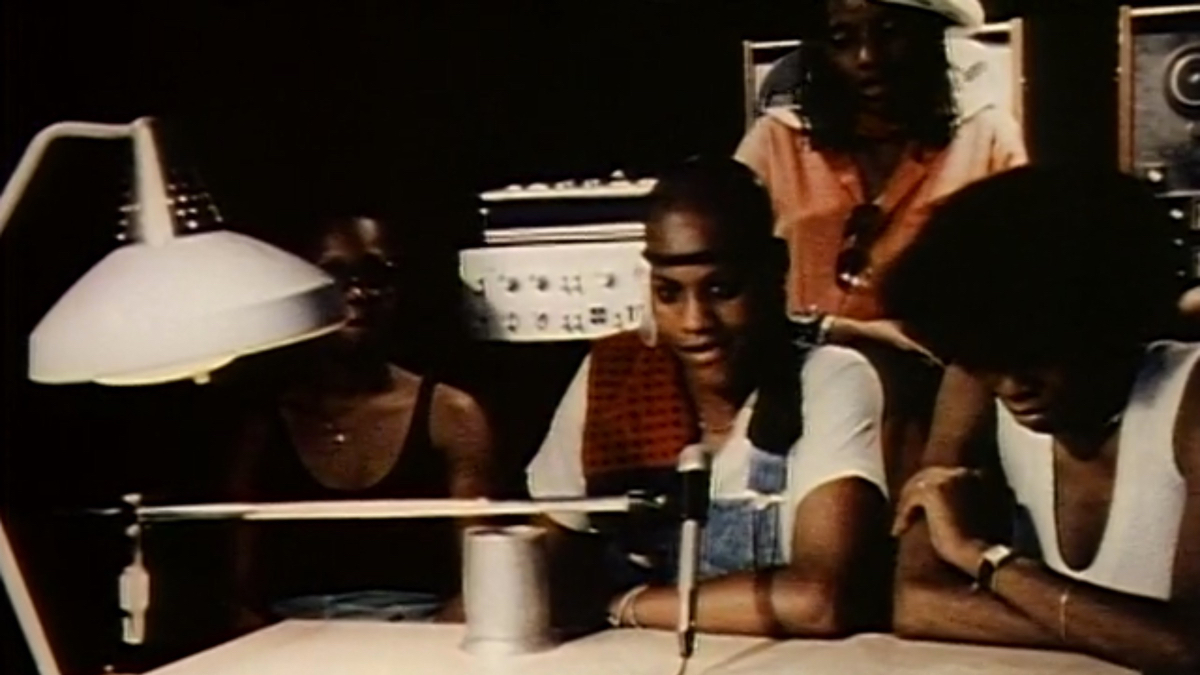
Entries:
{"x":1159,"y":94}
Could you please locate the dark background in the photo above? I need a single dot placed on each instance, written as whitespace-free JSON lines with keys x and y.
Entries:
{"x":405,"y":109}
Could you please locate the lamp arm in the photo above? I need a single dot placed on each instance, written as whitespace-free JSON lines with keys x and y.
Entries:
{"x":14,"y":190}
{"x":23,"y":607}
{"x":154,"y":223}
{"x":27,"y":166}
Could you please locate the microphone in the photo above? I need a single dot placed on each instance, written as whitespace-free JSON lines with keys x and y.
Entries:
{"x":693,"y":466}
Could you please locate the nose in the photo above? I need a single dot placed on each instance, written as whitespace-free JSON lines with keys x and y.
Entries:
{"x":1016,"y":387}
{"x":354,"y":293}
{"x":866,"y":57}
{"x":697,"y":315}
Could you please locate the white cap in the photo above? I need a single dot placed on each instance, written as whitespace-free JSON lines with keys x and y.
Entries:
{"x":963,"y":13}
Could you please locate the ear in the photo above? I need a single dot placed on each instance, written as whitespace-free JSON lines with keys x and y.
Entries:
{"x":647,"y":329}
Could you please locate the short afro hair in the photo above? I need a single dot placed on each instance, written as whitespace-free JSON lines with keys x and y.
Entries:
{"x":1037,"y":266}
{"x":722,"y":189}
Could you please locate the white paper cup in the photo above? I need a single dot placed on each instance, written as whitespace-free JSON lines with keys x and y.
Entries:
{"x":506,"y":595}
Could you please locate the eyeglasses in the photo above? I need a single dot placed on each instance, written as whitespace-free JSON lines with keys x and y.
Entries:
{"x":861,"y":232}
{"x":371,"y":276}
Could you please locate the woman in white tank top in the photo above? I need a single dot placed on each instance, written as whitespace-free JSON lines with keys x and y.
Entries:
{"x":1052,"y":286}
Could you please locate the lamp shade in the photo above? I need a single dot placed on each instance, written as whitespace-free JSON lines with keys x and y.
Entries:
{"x":148,"y":314}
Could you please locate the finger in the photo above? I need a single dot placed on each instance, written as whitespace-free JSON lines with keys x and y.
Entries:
{"x":916,"y":492}
{"x":908,"y":517}
{"x":907,"y":511}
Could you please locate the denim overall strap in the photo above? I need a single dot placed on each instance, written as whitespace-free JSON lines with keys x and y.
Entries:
{"x":742,"y":534}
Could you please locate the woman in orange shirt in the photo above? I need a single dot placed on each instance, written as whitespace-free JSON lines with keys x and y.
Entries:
{"x":877,"y":137}
{"x":880,"y":134}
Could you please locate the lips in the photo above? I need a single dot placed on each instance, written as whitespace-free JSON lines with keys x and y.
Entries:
{"x":872,"y":89}
{"x":1027,"y":413}
{"x":704,"y":353}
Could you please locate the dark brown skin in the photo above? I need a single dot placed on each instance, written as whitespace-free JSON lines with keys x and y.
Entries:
{"x":370,"y":398}
{"x":869,"y":44}
{"x":709,"y":315}
{"x":941,"y":547}
{"x":704,"y":314}
{"x":351,"y":383}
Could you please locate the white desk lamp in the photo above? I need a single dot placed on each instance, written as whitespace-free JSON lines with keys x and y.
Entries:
{"x":159,"y":309}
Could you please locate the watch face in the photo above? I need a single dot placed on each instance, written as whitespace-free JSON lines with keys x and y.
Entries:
{"x":997,"y":554}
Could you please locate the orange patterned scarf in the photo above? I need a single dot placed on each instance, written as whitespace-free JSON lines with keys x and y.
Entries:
{"x":639,"y":415}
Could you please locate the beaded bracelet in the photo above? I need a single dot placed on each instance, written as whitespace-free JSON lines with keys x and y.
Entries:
{"x":624,"y":605}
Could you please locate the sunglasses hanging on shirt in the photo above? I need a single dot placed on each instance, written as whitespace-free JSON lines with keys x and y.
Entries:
{"x":862,"y":230}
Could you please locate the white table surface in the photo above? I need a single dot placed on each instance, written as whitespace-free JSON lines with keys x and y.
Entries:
{"x":376,"y":648}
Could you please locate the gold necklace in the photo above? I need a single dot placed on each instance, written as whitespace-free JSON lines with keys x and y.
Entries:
{"x":331,"y":431}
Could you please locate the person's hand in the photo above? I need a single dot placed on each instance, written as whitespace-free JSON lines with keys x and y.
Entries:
{"x":943,"y":494}
{"x":887,"y":331}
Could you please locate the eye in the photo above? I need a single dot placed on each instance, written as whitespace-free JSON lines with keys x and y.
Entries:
{"x":724,"y":289}
{"x":667,"y":292}
{"x":839,"y":38}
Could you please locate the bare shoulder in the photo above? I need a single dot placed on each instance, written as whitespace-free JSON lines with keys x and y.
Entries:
{"x":458,"y":423}
{"x":454,"y":403}
{"x":404,"y":381}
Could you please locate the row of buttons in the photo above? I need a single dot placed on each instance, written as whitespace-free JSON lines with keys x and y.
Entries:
{"x":570,"y":284}
{"x":597,"y":317}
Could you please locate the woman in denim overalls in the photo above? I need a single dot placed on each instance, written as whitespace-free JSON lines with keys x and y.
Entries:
{"x":745,"y":377}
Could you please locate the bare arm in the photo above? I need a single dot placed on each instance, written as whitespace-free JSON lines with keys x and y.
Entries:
{"x":837,"y":539}
{"x":962,"y":418}
{"x":459,"y":427}
{"x":934,"y":600}
{"x":1138,"y":632}
{"x":846,"y":331}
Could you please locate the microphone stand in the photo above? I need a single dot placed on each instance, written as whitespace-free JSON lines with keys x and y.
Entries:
{"x":694,"y":467}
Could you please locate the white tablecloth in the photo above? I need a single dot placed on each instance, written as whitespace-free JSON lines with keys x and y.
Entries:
{"x":369,"y":648}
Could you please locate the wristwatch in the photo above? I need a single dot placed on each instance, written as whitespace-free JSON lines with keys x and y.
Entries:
{"x":810,"y":327}
{"x":992,"y":560}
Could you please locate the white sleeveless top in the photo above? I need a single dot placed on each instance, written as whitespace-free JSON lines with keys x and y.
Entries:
{"x":1137,"y":549}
